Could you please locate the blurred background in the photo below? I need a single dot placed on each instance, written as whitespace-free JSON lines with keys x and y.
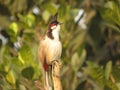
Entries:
{"x":90,"y":37}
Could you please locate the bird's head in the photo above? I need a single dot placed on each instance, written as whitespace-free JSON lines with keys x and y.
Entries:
{"x":54,"y":24}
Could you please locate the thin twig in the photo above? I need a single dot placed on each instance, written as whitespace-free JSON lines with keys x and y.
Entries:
{"x":112,"y":78}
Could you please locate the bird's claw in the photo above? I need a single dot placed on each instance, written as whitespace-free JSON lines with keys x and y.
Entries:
{"x":56,"y":68}
{"x":56,"y":61}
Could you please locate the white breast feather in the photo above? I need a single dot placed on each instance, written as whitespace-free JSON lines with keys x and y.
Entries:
{"x":53,"y":46}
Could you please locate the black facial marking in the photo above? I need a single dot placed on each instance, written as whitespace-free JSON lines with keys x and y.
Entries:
{"x":49,"y":34}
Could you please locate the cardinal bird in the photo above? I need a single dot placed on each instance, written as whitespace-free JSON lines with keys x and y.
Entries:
{"x":50,"y":48}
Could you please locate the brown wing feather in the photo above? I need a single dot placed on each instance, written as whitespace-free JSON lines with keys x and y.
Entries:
{"x":41,"y":52}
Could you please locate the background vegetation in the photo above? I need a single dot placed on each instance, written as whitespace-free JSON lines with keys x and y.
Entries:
{"x":91,"y":43}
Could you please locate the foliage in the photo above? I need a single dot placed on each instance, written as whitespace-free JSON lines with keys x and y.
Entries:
{"x":91,"y":43}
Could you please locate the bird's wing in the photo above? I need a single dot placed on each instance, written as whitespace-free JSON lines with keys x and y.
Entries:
{"x":41,"y":51}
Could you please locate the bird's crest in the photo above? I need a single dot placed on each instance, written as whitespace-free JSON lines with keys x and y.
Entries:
{"x":54,"y":21}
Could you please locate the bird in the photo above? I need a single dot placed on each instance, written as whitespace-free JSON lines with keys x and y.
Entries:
{"x":50,"y":48}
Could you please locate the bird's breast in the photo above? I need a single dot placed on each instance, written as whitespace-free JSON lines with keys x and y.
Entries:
{"x":54,"y":50}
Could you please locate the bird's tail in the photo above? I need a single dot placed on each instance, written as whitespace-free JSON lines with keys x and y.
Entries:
{"x":47,"y":81}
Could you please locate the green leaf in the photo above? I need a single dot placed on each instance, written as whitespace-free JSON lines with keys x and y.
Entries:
{"x":108,"y":70}
{"x":77,"y":41}
{"x":29,"y":20}
{"x":50,"y":7}
{"x":28,"y":72}
{"x":20,"y":58}
{"x":77,"y":60}
{"x":110,"y":86}
{"x":116,"y":73}
{"x":21,"y":6}
{"x":62,"y":12}
{"x":118,"y":85}
{"x":111,"y":13}
{"x":91,"y":64}
{"x":46,"y":15}
{"x":25,"y":55}
{"x":74,"y":12}
{"x":96,"y":73}
{"x":82,"y":57}
{"x":12,"y":31}
{"x":7,"y":67}
{"x":14,"y":28}
{"x":114,"y":27}
{"x":11,"y":77}
{"x":22,"y":87}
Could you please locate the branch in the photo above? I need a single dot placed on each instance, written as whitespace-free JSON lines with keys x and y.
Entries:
{"x":56,"y":75}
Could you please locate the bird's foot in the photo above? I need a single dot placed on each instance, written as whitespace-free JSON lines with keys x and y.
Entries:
{"x":58,"y":61}
{"x":56,"y":68}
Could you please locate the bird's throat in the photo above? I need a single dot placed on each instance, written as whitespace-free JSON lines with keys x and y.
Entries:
{"x":55,"y":34}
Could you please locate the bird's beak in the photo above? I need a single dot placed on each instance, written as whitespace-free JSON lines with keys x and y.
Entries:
{"x":60,"y":23}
